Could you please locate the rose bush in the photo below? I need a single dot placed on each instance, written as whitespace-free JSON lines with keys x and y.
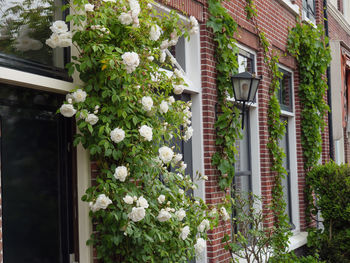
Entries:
{"x":128,"y":119}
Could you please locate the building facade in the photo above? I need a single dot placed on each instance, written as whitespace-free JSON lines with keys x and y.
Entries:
{"x":32,"y":86}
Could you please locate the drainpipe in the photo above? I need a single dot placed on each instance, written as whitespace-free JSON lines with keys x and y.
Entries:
{"x":329,"y":93}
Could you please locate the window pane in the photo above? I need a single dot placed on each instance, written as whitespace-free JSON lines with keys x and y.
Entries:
{"x":24,"y":28}
{"x":245,"y":62}
{"x":285,"y":91}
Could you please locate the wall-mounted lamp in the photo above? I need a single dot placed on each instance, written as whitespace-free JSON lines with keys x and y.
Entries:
{"x":245,"y":86}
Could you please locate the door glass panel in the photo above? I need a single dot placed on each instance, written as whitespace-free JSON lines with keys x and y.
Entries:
{"x":24,"y":28}
{"x":31,"y":178}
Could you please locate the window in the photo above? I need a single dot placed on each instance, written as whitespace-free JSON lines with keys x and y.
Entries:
{"x":285,"y":91}
{"x":309,"y":10}
{"x":36,"y":177}
{"x":24,"y":28}
{"x":287,"y":143}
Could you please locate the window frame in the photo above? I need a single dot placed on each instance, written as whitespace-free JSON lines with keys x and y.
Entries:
{"x":307,"y":9}
{"x":28,"y":66}
{"x":283,"y":106}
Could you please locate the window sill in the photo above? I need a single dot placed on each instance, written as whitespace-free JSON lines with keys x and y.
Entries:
{"x":308,"y":21}
{"x":297,"y":240}
{"x":293,"y":8}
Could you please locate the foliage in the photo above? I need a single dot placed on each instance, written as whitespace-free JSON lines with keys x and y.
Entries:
{"x":331,"y":185}
{"x":309,"y":46}
{"x":276,"y":128}
{"x":228,"y":121}
{"x":135,"y":170}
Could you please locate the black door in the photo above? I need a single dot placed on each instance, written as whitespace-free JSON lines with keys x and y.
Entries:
{"x":36,"y":181}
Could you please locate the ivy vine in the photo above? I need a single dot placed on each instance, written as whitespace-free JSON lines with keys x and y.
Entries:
{"x":228,"y":121}
{"x":276,"y":128}
{"x":309,"y":46}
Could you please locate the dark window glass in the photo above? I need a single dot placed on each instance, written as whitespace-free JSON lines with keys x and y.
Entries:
{"x":36,"y":182}
{"x":179,"y":52}
{"x":285,"y":92}
{"x":24,"y":28}
{"x":284,"y":144}
{"x":309,"y":9}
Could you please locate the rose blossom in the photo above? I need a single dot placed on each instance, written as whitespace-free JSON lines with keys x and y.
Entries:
{"x":128,"y":199}
{"x":67,"y":110}
{"x":180,"y":214}
{"x":117,"y":135}
{"x":163,"y":215}
{"x":102,"y":202}
{"x":185,"y":232}
{"x":161,"y":199}
{"x":147,"y":103}
{"x":137,"y":214}
{"x":204,"y":225}
{"x":166,"y":154}
{"x":89,"y":7}
{"x":177,"y":158}
{"x":131,"y":61}
{"x":146,"y":132}
{"x":162,"y":57}
{"x":121,"y":172}
{"x":155,"y":33}
{"x":188,"y":134}
{"x":163,"y":107}
{"x":183,"y":166}
{"x":59,"y":27}
{"x":178,"y":73}
{"x":178,"y":89}
{"x":92,"y":119}
{"x":79,"y":95}
{"x":125,"y":18}
{"x":200,"y":246}
{"x":135,"y":8}
{"x":225,"y":215}
{"x":142,"y":202}
{"x":171,"y":100}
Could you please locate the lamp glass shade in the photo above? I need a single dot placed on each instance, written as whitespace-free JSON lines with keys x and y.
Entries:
{"x":245,"y":86}
{"x":253,"y":89}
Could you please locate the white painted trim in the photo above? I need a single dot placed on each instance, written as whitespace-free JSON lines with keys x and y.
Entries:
{"x":293,"y":8}
{"x":84,"y":222}
{"x":293,"y":161}
{"x":29,"y":80}
{"x":305,"y":19}
{"x":297,"y":240}
{"x":339,"y":17}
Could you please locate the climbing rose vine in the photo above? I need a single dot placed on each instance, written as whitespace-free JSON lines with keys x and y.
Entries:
{"x":130,"y":115}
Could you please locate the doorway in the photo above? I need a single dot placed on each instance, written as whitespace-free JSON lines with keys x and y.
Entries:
{"x":37,"y":184}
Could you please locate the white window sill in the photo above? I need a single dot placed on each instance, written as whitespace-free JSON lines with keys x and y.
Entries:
{"x":297,"y":240}
{"x":293,"y":8}
{"x":308,"y":21}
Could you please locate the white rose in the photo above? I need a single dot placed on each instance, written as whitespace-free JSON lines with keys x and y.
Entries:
{"x":178,"y":74}
{"x":185,"y":232}
{"x":125,"y":18}
{"x":92,"y":119}
{"x":128,"y":199}
{"x":131,"y":61}
{"x":121,"y":172}
{"x":53,"y":41}
{"x":171,"y":100}
{"x":137,"y":214}
{"x":225,"y":215}
{"x":164,"y":44}
{"x":161,"y":199}
{"x":180,"y":176}
{"x":180,"y":214}
{"x":67,"y":110}
{"x":188,"y":134}
{"x":79,"y":95}
{"x":166,"y":154}
{"x":181,"y":192}
{"x":135,"y":8}
{"x":163,"y":215}
{"x":89,"y":7}
{"x":178,"y":89}
{"x":194,"y":25}
{"x":204,"y":225}
{"x":59,"y":27}
{"x":155,"y":33}
{"x":102,"y":202}
{"x":177,"y":158}
{"x":162,"y":57}
{"x":65,"y":39}
{"x":117,"y":135}
{"x":146,"y":132}
{"x":150,"y":58}
{"x":183,"y":166}
{"x":200,"y":246}
{"x":163,"y":107}
{"x":147,"y":103}
{"x":142,"y":202}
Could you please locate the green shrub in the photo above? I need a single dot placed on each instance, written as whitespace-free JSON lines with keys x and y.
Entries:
{"x":330,"y":185}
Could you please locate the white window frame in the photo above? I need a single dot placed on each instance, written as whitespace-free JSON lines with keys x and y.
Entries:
{"x":254,"y":133}
{"x":299,"y":238}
